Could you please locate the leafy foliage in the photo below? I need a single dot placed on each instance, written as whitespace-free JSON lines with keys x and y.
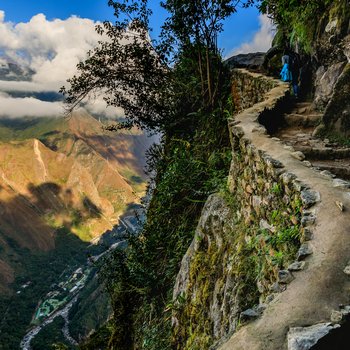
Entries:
{"x":141,"y":76}
{"x":140,"y":281}
{"x":295,"y":19}
{"x":196,"y":24}
{"x":192,"y":163}
{"x":126,"y":67}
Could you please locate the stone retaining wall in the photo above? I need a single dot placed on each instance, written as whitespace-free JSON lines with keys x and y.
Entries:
{"x":251,"y":237}
{"x":249,"y":88}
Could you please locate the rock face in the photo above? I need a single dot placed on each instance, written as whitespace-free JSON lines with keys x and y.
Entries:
{"x":331,"y":51}
{"x":249,"y":60}
{"x":304,"y":338}
{"x":337,"y":113}
{"x":326,"y":80}
{"x":206,"y":280}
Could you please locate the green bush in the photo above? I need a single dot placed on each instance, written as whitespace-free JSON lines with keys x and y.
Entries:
{"x":297,"y":20}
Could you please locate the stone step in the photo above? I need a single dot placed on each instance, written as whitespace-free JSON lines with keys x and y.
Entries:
{"x":294,"y":119}
{"x":323,"y":153}
{"x":341,"y":170}
{"x":303,"y":104}
{"x":303,"y":108}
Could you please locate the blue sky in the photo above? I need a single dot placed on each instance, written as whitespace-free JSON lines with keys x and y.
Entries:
{"x":240,"y":28}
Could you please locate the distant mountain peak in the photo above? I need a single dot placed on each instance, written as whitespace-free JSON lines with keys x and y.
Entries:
{"x":12,"y":71}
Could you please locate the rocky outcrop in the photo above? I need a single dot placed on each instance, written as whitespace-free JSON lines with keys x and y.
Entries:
{"x":304,"y":338}
{"x":337,"y":114}
{"x":325,"y":82}
{"x":331,"y":53}
{"x":251,"y":61}
{"x":207,"y":282}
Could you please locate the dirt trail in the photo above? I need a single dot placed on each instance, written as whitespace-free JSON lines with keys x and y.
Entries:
{"x":40,"y":159}
{"x":322,"y":286}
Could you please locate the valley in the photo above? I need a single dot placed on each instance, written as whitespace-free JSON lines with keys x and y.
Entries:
{"x":59,"y":301}
{"x":68,"y":188}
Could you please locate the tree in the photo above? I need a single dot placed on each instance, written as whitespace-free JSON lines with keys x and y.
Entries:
{"x":126,"y":67}
{"x":196,"y":24}
{"x":140,"y":75}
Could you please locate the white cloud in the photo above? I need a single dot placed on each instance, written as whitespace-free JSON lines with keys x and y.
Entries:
{"x":98,"y":107}
{"x":8,"y":85}
{"x":52,"y":49}
{"x":28,"y":106}
{"x":261,"y":41}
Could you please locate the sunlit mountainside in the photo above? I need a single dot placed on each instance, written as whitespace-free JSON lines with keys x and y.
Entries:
{"x":64,"y":172}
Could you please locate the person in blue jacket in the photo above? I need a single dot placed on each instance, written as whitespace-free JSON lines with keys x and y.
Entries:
{"x":291,"y":70}
{"x":286,"y":74}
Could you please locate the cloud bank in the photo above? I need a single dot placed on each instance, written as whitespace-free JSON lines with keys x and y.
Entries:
{"x":261,"y":41}
{"x":28,"y":106}
{"x":51,"y":49}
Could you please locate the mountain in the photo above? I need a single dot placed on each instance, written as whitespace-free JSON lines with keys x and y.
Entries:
{"x":13,"y":72}
{"x":57,"y":172}
{"x":68,"y":190}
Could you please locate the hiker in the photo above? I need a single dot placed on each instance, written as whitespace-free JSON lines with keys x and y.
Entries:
{"x":286,"y":74}
{"x":305,"y":77}
{"x":290,"y":70}
{"x":294,"y":64}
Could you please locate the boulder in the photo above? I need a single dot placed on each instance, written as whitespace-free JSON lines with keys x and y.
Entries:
{"x":337,"y":114}
{"x":249,"y":60}
{"x":346,"y":47}
{"x":304,"y":338}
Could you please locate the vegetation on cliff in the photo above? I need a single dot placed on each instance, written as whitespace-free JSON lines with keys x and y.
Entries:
{"x":296,"y":20}
{"x":300,"y":23}
{"x":181,"y":88}
{"x":319,"y":32}
{"x":177,"y":88}
{"x":247,"y":233}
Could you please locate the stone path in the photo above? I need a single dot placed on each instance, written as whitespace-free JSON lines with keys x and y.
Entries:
{"x":318,"y":292}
